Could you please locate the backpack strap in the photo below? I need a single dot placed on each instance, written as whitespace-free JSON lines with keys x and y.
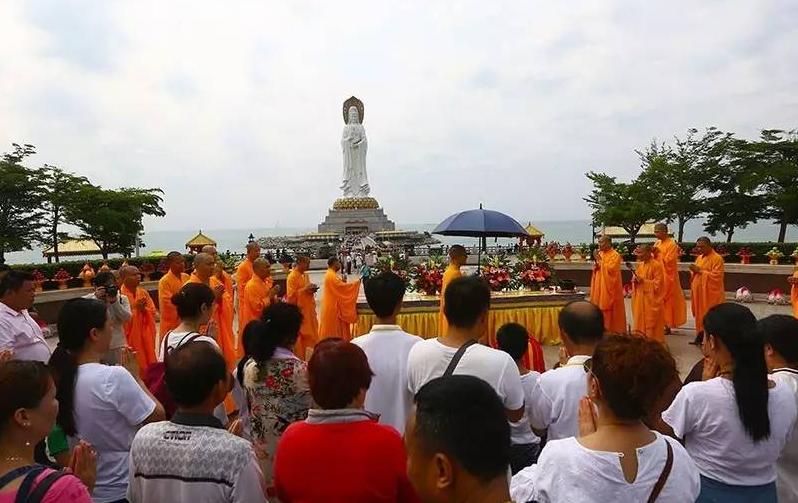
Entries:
{"x":190,"y":336}
{"x":663,"y":477}
{"x":27,"y":484}
{"x":16,"y":473}
{"x":457,"y":357}
{"x":40,"y":491}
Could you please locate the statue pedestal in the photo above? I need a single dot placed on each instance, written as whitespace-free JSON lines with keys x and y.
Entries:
{"x":356,"y":216}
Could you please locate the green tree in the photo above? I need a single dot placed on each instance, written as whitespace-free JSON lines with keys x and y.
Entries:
{"x":60,"y":189}
{"x":625,"y":205}
{"x":677,"y":174}
{"x":736,"y":200}
{"x":113,"y":218}
{"x":773,"y":162}
{"x":20,"y":202}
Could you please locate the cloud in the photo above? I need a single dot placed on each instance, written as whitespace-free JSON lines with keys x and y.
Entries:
{"x":234,"y":109}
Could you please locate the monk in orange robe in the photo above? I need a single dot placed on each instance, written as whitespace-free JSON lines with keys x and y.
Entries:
{"x":204,"y":272}
{"x":259,"y":293}
{"x":301,"y":292}
{"x":793,"y":280}
{"x":339,"y":303}
{"x":706,"y":284}
{"x":675,"y":307}
{"x":606,"y":286}
{"x":244,"y":273}
{"x":648,"y":289}
{"x":140,"y":329}
{"x":457,"y":259}
{"x":227,"y":313}
{"x":168,"y":285}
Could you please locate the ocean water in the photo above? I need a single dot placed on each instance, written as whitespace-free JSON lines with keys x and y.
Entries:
{"x":572,"y":231}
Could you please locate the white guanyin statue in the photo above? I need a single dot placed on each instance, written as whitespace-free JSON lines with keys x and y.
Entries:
{"x":354,"y":145}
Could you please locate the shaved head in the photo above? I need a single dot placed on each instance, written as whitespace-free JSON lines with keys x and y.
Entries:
{"x":644,"y":251}
{"x":262,"y":268}
{"x":253,"y":250}
{"x":458,"y":255}
{"x":605,"y":243}
{"x":130,"y":276}
{"x":209,"y":249}
{"x":704,"y":240}
{"x":176,"y":262}
{"x":703,"y":245}
{"x":203,"y":266}
{"x":661,"y":227}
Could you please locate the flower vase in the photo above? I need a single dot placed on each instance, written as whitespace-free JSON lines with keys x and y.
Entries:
{"x":62,"y":284}
{"x":745,"y":259}
{"x":567,"y":255}
{"x":774,"y":261}
{"x":38,"y":284}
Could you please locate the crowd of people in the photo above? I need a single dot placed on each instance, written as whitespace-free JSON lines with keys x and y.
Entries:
{"x":292,"y":408}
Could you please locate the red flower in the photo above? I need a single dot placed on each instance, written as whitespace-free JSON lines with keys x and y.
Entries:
{"x":270,"y":382}
{"x":288,"y":372}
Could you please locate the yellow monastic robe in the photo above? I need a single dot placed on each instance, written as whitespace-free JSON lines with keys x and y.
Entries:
{"x":224,"y":331}
{"x":707,"y":287}
{"x":606,"y":291}
{"x":338,"y":306}
{"x":794,"y":295}
{"x":306,"y":302}
{"x":140,"y":330}
{"x":244,"y":273}
{"x":169,"y":285}
{"x":647,"y":302}
{"x":675,"y":307}
{"x":256,"y":298}
{"x":228,"y":314}
{"x":450,"y":274}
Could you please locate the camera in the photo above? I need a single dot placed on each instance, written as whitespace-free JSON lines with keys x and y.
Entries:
{"x":111,"y":290}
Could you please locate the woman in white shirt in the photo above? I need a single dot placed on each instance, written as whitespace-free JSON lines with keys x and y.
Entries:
{"x":736,"y":421}
{"x":103,"y":405}
{"x":616,"y":456}
{"x":194,"y":303}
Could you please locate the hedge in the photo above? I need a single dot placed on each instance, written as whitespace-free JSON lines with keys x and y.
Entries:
{"x":760,"y":251}
{"x":74,"y":267}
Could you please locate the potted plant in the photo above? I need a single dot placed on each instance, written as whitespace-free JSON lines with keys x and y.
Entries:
{"x":496,"y":271}
{"x":61,"y":276}
{"x":427,"y":276}
{"x":745,"y":255}
{"x":774,"y":255}
{"x":38,"y":279}
{"x":87,"y":274}
{"x":104,"y":267}
{"x":567,"y":251}
{"x":552,"y":249}
{"x":584,"y":252}
{"x":722,"y":251}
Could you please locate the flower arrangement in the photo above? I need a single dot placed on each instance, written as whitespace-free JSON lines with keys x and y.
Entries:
{"x":722,"y":251}
{"x":567,"y":251}
{"x":777,"y":297}
{"x":427,"y":276}
{"x":745,"y":255}
{"x":774,"y":255}
{"x":584,"y":252}
{"x":62,"y":277}
{"x":39,"y":276}
{"x":531,"y":273}
{"x":398,"y":265}
{"x":552,"y":249}
{"x":104,"y":267}
{"x":496,"y":271}
{"x":743,"y":294}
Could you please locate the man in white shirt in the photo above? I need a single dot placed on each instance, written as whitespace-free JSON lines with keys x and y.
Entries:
{"x":780,"y":334}
{"x":106,"y":290}
{"x":19,"y":333}
{"x":467,"y":301}
{"x":223,"y":467}
{"x":387,"y":347}
{"x":556,"y":395}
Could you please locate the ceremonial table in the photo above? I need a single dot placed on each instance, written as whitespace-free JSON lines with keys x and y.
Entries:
{"x":537,"y":311}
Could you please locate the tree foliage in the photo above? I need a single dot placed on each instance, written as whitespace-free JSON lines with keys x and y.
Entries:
{"x":625,"y":205}
{"x":20,"y":202}
{"x":113,"y":218}
{"x":60,"y":188}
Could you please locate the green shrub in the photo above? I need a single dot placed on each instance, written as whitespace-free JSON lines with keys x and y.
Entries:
{"x":75,"y":266}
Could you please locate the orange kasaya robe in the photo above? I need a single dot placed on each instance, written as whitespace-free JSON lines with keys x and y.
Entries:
{"x":244,"y":273}
{"x":675,"y":307}
{"x":306,"y":302}
{"x":794,"y":295}
{"x":140,"y":330}
{"x":228,"y":313}
{"x":222,"y":321}
{"x":606,"y":291}
{"x":706,"y":287}
{"x":169,"y":285}
{"x":647,"y":300}
{"x":338,"y":307}
{"x":256,"y":298}
{"x":450,"y":274}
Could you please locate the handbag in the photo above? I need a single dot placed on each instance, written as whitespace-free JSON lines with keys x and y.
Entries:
{"x":155,"y":375}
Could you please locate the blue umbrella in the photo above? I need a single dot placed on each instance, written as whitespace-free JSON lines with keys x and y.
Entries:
{"x":481,"y":223}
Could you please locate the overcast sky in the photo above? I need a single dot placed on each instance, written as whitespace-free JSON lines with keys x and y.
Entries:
{"x":234,"y":108}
